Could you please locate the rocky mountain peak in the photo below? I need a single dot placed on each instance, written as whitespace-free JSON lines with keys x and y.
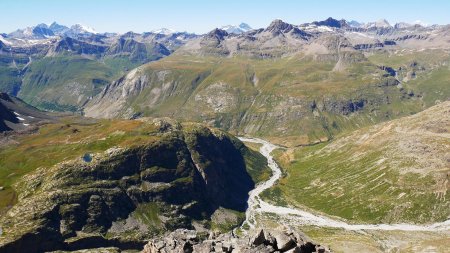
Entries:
{"x":331,"y":22}
{"x":82,"y":29}
{"x":279,"y":26}
{"x":54,"y":24}
{"x":217,"y":33}
{"x":57,"y":28}
{"x":382,"y":23}
{"x":245,"y":26}
{"x":42,"y":31}
{"x":42,"y":25}
{"x":129,"y":35}
{"x":164,"y":31}
{"x":354,"y":23}
{"x":241,"y":28}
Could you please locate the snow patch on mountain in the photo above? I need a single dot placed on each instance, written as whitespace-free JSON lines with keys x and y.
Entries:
{"x":80,"y":29}
{"x":242,"y":28}
{"x":164,"y":31}
{"x":355,"y":24}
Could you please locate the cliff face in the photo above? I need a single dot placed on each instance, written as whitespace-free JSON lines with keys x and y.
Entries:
{"x":124,"y":195}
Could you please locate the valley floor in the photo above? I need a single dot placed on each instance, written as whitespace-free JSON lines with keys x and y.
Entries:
{"x":338,"y":234}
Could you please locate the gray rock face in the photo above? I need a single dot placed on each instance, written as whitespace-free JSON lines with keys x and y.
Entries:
{"x":331,"y":22}
{"x":261,"y":241}
{"x":284,"y":241}
{"x":258,"y":238}
{"x":278,"y":26}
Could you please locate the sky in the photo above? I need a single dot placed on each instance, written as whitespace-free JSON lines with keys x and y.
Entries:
{"x":201,"y":16}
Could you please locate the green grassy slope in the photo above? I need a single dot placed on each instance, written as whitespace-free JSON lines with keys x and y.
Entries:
{"x":64,"y":83}
{"x":425,"y":73}
{"x":10,"y":72}
{"x":73,"y":138}
{"x":299,"y":98}
{"x":393,"y":172}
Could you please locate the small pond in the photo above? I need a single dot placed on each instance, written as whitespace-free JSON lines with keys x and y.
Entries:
{"x":87,"y":157}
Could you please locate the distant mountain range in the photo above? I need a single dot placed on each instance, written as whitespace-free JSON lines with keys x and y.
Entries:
{"x":40,"y":62}
{"x":268,"y":80}
{"x":88,"y":58}
{"x":42,"y":31}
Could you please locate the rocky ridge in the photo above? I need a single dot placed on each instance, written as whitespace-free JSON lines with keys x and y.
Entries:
{"x":177,"y":176}
{"x":264,"y":241}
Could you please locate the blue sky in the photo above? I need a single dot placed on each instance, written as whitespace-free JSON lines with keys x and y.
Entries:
{"x":202,"y":16}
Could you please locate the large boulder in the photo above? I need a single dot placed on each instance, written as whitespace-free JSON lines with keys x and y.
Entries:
{"x":258,"y":238}
{"x":284,"y":242}
{"x":260,"y":241}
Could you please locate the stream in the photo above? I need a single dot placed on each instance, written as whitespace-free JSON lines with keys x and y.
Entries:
{"x":293,"y":216}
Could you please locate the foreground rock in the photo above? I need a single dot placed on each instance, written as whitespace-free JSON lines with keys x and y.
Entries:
{"x":262,"y":241}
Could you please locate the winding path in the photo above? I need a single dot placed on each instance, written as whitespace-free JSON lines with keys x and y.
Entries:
{"x":297,"y":216}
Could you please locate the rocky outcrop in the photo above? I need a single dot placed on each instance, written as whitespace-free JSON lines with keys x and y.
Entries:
{"x":269,"y":241}
{"x":331,"y":22}
{"x":212,"y":43}
{"x":390,"y":71}
{"x":411,"y":36}
{"x":137,"y":51}
{"x":278,"y":27}
{"x":78,"y":47}
{"x":183,"y":173}
{"x":217,"y":34}
{"x":368,"y":46}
